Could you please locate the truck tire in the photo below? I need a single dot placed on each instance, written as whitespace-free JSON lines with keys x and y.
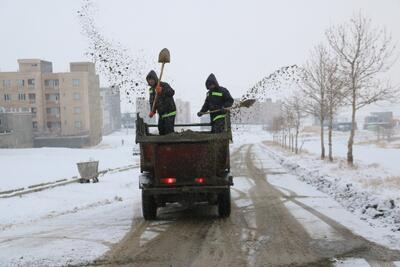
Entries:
{"x":149,"y":206}
{"x":224,"y":203}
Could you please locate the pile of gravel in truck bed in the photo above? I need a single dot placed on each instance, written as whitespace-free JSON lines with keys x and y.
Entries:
{"x":184,"y":136}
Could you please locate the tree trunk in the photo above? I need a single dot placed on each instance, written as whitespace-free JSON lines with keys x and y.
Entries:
{"x":330,"y":134}
{"x":284,"y":140}
{"x":322,"y":137}
{"x":297,"y":138}
{"x":353,"y":129}
{"x":292,"y":143}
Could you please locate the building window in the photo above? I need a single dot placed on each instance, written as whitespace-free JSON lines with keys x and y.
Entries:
{"x":7,"y":97}
{"x":25,"y":110}
{"x":21,"y":97}
{"x":34,"y":111}
{"x":53,"y":125}
{"x":51,"y":83}
{"x":31,"y":83}
{"x":52,"y":97}
{"x":6,"y":83}
{"x":76,"y":82}
{"x":77,"y":110}
{"x":53,"y":111}
{"x":77,"y":96}
{"x":34,"y":124}
{"x":20,"y":83}
{"x":78,"y":124}
{"x":32,"y":98}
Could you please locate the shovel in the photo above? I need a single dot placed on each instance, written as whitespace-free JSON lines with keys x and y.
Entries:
{"x":163,"y":57}
{"x":244,"y":103}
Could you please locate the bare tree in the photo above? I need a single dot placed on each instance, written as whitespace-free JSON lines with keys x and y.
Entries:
{"x":287,"y":115}
{"x":290,"y":118}
{"x":313,"y":87}
{"x":364,"y":53}
{"x":335,"y":94}
{"x":294,"y":106}
{"x":276,"y":128}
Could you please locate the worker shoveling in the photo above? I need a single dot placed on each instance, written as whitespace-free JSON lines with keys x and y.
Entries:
{"x":192,"y":166}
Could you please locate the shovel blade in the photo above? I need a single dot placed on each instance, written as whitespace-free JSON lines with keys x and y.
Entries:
{"x":164,"y":56}
{"x":247,"y":103}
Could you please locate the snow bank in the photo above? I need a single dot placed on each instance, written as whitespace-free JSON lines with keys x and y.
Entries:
{"x":378,"y":206}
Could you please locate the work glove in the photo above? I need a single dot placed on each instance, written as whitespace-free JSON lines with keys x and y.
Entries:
{"x":158,"y":90}
{"x":199,"y":114}
{"x":151,"y":114}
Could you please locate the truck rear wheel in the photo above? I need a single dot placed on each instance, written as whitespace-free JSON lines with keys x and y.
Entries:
{"x":149,"y":206}
{"x":224,"y":203}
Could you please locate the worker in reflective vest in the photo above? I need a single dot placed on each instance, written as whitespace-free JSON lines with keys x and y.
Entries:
{"x":165,"y":105}
{"x":218,"y":98}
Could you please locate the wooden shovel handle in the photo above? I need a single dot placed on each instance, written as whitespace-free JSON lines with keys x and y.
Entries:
{"x":217,"y":110}
{"x":153,"y":109}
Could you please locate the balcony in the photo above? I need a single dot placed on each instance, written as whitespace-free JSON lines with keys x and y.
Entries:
{"x":53,"y":117}
{"x":53,"y":103}
{"x":51,"y":89}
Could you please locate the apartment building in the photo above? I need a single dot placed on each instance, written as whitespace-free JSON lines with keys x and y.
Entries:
{"x":65,"y":107}
{"x":111,"y":108}
{"x":183,"y":115}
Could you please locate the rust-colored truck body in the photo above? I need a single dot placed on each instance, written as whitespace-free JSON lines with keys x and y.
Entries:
{"x":187,"y":167}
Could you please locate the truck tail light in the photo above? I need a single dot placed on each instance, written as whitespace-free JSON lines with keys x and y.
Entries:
{"x":200,"y":180}
{"x":168,"y":180}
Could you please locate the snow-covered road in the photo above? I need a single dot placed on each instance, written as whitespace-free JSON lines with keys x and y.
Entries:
{"x":277,"y":219}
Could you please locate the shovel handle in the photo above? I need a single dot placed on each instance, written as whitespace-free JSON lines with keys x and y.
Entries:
{"x":217,"y":110}
{"x":153,"y":109}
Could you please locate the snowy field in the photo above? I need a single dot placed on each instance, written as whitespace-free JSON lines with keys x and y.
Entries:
{"x":24,"y":167}
{"x":75,"y":222}
{"x":68,"y":224}
{"x":366,"y":150}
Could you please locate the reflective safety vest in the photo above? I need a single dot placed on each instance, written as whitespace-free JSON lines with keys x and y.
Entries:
{"x":173,"y":113}
{"x":216,"y":94}
{"x":222,"y":116}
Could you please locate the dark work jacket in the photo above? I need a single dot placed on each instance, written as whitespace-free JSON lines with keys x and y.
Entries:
{"x":217,"y":98}
{"x":165,"y":101}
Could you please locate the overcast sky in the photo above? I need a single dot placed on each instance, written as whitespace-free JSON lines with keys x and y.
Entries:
{"x":239,"y":41}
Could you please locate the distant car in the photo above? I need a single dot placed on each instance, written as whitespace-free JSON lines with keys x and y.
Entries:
{"x":343,"y":126}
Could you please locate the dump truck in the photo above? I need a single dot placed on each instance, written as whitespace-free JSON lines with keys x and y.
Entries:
{"x":188,"y":167}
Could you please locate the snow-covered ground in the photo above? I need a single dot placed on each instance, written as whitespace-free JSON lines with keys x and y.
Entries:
{"x":370,"y":189}
{"x":79,"y":222}
{"x":24,"y":167}
{"x":69,"y":224}
{"x":287,"y":180}
{"x":366,"y":150}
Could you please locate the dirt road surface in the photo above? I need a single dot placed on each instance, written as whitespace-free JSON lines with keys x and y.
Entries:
{"x":261,"y":231}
